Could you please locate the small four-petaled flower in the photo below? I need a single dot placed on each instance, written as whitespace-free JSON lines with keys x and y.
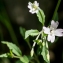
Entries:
{"x":33,"y":7}
{"x":52,"y":31}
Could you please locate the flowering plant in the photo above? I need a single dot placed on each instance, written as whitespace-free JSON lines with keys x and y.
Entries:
{"x":47,"y":34}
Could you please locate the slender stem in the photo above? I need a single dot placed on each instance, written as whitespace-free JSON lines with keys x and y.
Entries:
{"x":33,"y":47}
{"x":27,"y":40}
{"x":38,"y":35}
{"x":37,"y":38}
{"x":57,"y":6}
{"x":36,"y":58}
{"x":35,"y":44}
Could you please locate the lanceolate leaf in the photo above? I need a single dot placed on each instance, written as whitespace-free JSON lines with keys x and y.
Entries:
{"x":45,"y":52}
{"x":13,"y":47}
{"x":31,"y":33}
{"x":41,"y":16}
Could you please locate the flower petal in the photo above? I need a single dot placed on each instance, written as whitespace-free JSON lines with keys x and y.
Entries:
{"x":29,"y":5}
{"x":37,"y":4}
{"x":51,"y":38}
{"x":31,"y":11}
{"x":59,"y":32}
{"x":46,"y":30}
{"x":54,"y":24}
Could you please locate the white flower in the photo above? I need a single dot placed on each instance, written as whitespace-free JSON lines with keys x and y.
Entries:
{"x":33,"y":7}
{"x":52,"y":31}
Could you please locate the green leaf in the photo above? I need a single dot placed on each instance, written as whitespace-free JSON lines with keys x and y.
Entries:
{"x":3,"y":55}
{"x":41,"y":16}
{"x":31,"y":33}
{"x":22,"y":31}
{"x":24,"y":59}
{"x":13,"y":47}
{"x":45,"y":52}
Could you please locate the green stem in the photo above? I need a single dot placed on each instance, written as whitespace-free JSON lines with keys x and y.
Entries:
{"x":36,"y":39}
{"x":27,"y":41}
{"x":36,"y":58}
{"x":35,"y":44}
{"x":57,"y":6}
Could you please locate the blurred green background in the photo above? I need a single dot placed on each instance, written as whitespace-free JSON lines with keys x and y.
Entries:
{"x":15,"y":14}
